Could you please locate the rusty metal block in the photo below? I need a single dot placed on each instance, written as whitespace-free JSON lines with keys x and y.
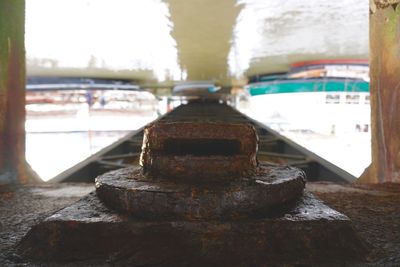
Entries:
{"x":263,"y":194}
{"x":311,"y":234}
{"x":199,"y":150}
{"x":200,"y":198}
{"x":200,"y":170}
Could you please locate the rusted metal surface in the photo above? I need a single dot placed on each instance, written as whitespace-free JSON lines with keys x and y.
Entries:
{"x":193,"y":150}
{"x":311,"y":234}
{"x":200,"y":170}
{"x":385,"y":94}
{"x":271,"y":190}
{"x":186,"y":210}
{"x":12,"y":92}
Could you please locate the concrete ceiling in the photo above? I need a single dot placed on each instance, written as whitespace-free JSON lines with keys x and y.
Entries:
{"x":155,"y":41}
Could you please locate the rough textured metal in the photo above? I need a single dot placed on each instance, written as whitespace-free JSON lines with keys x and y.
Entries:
{"x":266,"y":192}
{"x":310,"y":232}
{"x":182,"y":212}
{"x":199,"y":150}
{"x":200,"y":170}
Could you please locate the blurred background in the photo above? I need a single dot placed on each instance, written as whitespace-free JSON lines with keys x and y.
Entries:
{"x":98,"y":69}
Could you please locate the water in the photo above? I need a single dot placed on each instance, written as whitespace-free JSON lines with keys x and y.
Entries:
{"x":51,"y":153}
{"x":198,"y":40}
{"x":350,"y":152}
{"x":55,"y":143}
{"x":58,"y":142}
{"x":328,"y":130}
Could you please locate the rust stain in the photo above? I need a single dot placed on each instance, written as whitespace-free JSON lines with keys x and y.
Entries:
{"x":386,"y":3}
{"x":385,"y":97}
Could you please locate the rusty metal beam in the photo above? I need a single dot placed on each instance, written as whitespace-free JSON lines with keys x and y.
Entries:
{"x":385,"y":92}
{"x":13,"y":167}
{"x":12,"y":91}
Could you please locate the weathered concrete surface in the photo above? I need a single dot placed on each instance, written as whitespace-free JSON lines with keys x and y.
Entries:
{"x":199,"y":150}
{"x":12,"y":92}
{"x":129,"y":191}
{"x":385,"y":96}
{"x":311,"y":232}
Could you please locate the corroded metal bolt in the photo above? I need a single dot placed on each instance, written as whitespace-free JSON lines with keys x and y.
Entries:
{"x":199,"y":150}
{"x":200,"y":170}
